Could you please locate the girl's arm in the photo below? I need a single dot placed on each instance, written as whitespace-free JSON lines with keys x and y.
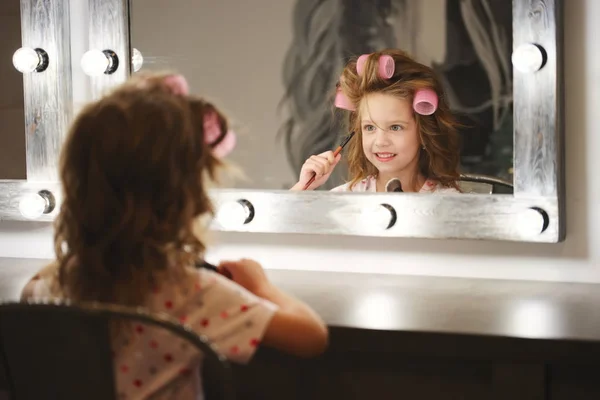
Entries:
{"x":295,"y":328}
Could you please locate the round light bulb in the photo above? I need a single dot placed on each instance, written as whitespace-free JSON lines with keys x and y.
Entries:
{"x":234,"y":214}
{"x":94,"y":63}
{"x":531,"y":221}
{"x":528,"y":58}
{"x":33,"y":205}
{"x":99,"y":62}
{"x":27,"y":60}
{"x":379,"y":217}
{"x":137,"y":60}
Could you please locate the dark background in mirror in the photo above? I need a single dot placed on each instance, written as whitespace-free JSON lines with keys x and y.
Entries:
{"x":12,"y":114}
{"x":273,"y":66}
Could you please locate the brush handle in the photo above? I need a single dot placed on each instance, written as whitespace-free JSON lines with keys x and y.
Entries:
{"x":311,"y":180}
{"x":335,"y":154}
{"x":209,"y":266}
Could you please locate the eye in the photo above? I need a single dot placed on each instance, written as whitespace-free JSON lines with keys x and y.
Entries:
{"x":368,"y":128}
{"x":396,"y":128}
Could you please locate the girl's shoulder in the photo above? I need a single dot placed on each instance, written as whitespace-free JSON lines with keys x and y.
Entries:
{"x":433,"y":186}
{"x":42,"y":285}
{"x":364,"y":185}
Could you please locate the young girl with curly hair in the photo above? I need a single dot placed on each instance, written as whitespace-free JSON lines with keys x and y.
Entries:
{"x":403,"y":129}
{"x":135,"y":169}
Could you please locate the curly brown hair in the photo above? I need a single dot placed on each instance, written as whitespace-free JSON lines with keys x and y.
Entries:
{"x":440,"y":158}
{"x":134,"y":170}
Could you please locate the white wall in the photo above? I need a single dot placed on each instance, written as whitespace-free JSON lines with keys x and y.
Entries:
{"x":578,"y":259}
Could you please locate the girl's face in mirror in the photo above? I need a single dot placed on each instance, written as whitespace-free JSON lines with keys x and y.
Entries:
{"x":389,"y":134}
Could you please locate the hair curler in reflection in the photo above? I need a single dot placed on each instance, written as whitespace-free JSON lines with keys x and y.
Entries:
{"x":335,"y":154}
{"x":425,"y":102}
{"x":385,"y":65}
{"x":393,"y":185}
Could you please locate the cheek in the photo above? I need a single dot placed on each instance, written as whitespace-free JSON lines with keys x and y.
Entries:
{"x":408,"y":140}
{"x":367,"y":141}
{"x":406,"y":145}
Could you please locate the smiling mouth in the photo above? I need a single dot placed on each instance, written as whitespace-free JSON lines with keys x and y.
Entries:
{"x":385,"y":156}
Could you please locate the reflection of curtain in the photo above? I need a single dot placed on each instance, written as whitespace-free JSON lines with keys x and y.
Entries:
{"x":326,"y":33}
{"x":477,"y":75}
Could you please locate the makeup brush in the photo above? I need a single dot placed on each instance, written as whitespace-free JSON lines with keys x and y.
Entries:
{"x":207,"y":265}
{"x":337,"y":151}
{"x":393,"y":185}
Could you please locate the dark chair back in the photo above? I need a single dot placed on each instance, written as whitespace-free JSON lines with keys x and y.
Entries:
{"x":484,"y":184}
{"x":56,"y":350}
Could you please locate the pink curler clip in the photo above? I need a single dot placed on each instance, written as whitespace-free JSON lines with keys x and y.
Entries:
{"x":386,"y":67}
{"x":425,"y":102}
{"x":342,"y":101}
{"x":225,"y":146}
{"x":212,"y":132}
{"x":177,"y":84}
{"x":360,"y":63}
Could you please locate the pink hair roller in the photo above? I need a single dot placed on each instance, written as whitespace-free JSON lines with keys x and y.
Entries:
{"x":212,"y":131}
{"x":342,"y":101}
{"x":425,"y":102}
{"x":385,"y":68}
{"x":226,"y":145}
{"x":360,"y":63}
{"x":177,"y":84}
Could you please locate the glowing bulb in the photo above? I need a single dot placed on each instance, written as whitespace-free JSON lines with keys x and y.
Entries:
{"x":235,"y":214}
{"x":27,"y":60}
{"x":379,"y":217}
{"x":33,"y":205}
{"x":137,"y":60}
{"x":528,"y":58}
{"x":531,"y":221}
{"x":98,"y":62}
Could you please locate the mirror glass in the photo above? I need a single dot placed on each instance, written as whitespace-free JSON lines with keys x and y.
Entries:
{"x":12,"y":113}
{"x":272,"y":67}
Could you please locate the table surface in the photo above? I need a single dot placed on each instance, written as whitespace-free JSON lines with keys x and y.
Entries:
{"x":501,"y":308}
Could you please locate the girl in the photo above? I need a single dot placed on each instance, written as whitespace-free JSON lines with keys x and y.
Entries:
{"x":135,"y":169}
{"x":403,"y":128}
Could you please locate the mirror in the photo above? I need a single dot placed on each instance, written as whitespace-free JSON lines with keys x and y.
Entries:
{"x":274,"y":72}
{"x":12,"y":109}
{"x":207,"y":44}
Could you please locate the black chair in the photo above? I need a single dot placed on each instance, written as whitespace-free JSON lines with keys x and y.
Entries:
{"x":484,"y":184}
{"x":57,"y":350}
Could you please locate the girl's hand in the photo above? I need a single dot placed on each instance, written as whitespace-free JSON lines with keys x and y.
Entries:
{"x":246,"y":273}
{"x":321,"y":166}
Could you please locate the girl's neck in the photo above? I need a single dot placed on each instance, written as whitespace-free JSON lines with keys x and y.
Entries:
{"x":410,"y":180}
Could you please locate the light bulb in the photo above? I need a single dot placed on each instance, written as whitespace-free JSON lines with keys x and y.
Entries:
{"x":137,"y":60}
{"x":528,"y":58}
{"x":98,"y":62}
{"x":33,"y":205}
{"x":379,"y":217}
{"x":27,"y":60}
{"x":235,"y":214}
{"x":531,"y":221}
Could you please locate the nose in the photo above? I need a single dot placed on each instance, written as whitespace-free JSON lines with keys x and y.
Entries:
{"x":381,"y":138}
